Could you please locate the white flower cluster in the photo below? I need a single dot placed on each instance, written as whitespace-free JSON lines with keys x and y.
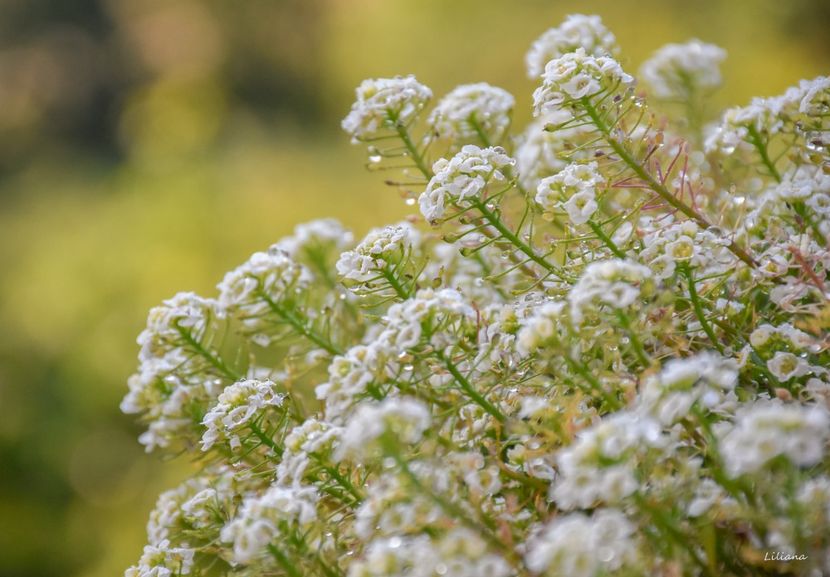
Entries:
{"x":802,"y":110}
{"x":405,"y":419}
{"x":382,"y":104}
{"x":582,"y":546}
{"x":573,"y":189}
{"x":765,"y":431}
{"x":263,"y":519}
{"x":605,"y":388}
{"x":473,"y":113}
{"x":577,"y":75}
{"x":465,"y":176}
{"x":379,"y":253}
{"x":616,"y":284}
{"x":577,"y":31}
{"x":601,"y":464}
{"x":239,"y":405}
{"x":679,"y":71}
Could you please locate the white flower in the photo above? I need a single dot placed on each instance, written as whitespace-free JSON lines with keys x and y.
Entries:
{"x":252,"y":290}
{"x":706,"y":378}
{"x":473,"y":113}
{"x":766,"y":430}
{"x":381,"y":251}
{"x":678,"y":71}
{"x":599,"y":465}
{"x":464,"y":176}
{"x":542,"y":327}
{"x":162,"y":560}
{"x":238,"y":405}
{"x":404,"y":418}
{"x":785,"y":366}
{"x":576,"y":32}
{"x":576,"y":75}
{"x":580,"y":546}
{"x":261,"y":518}
{"x":612,"y":283}
{"x":382,"y":104}
{"x":312,"y":237}
{"x":574,"y":188}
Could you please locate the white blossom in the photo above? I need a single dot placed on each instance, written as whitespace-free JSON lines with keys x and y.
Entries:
{"x":464,"y":176}
{"x":580,"y":546}
{"x":577,"y":75}
{"x":473,"y":113}
{"x":764,"y":431}
{"x":238,"y":405}
{"x":382,"y":104}
{"x":577,"y":31}
{"x":678,"y":71}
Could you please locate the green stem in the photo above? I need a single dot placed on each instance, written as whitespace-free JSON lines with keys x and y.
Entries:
{"x":265,"y":439}
{"x":583,"y":372}
{"x":403,"y":133}
{"x":213,"y":359}
{"x":393,"y":282}
{"x":636,"y":344}
{"x":468,"y":388}
{"x":667,"y":526}
{"x":343,"y":482}
{"x":496,"y":223}
{"x":698,"y":308}
{"x":300,"y":326}
{"x":479,"y":131}
{"x":654,"y":184}
{"x":606,"y":239}
{"x":755,"y":139}
{"x":284,"y":561}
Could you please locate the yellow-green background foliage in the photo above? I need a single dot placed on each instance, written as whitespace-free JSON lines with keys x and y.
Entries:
{"x":146,"y":146}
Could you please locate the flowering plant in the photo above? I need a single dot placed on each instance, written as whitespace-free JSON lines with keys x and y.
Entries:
{"x":602,"y":350}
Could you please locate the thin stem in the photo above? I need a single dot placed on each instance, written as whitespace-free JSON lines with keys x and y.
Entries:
{"x":393,"y":282}
{"x":606,"y":239}
{"x":213,"y":359}
{"x":654,"y":184}
{"x":403,"y":133}
{"x":343,"y":482}
{"x":301,"y":327}
{"x":284,"y":561}
{"x":496,"y":223}
{"x":468,"y":388}
{"x":757,"y":142}
{"x":636,"y":344}
{"x":265,"y":439}
{"x":698,"y":308}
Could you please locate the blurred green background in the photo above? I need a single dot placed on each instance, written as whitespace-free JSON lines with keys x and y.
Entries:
{"x":146,"y":146}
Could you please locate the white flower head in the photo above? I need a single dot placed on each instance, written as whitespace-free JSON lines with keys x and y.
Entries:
{"x":239,"y":405}
{"x":580,"y":546}
{"x":162,"y":560}
{"x":611,"y":283}
{"x":381,"y":249}
{"x":573,"y":189}
{"x":404,"y":418}
{"x":767,"y":430}
{"x":576,"y":75}
{"x":678,"y":71}
{"x":261,"y":518}
{"x":473,"y":113}
{"x":313,"y":236}
{"x":382,"y":104}
{"x":576,"y":32}
{"x":464,"y":176}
